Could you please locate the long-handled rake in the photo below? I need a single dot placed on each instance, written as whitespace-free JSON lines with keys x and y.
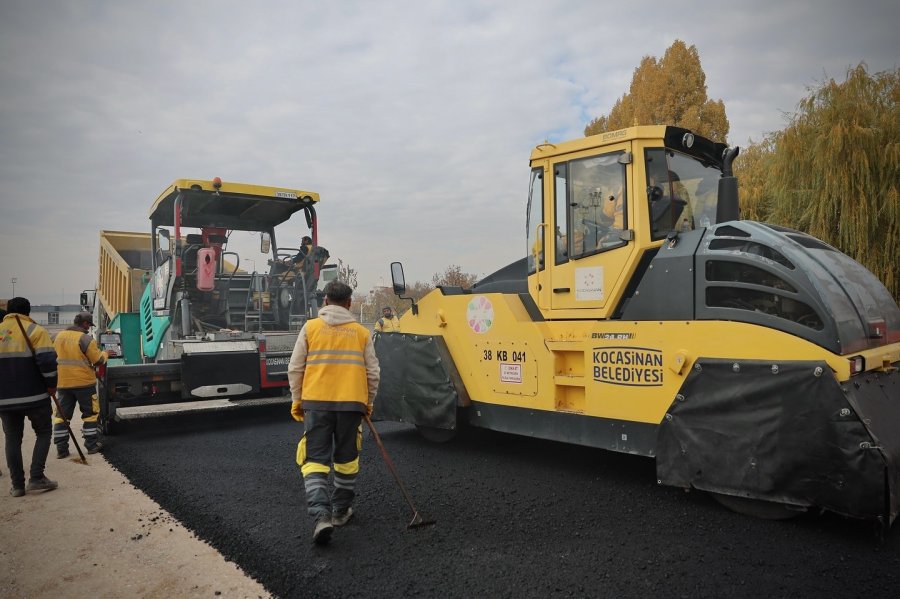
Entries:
{"x":417,"y":520}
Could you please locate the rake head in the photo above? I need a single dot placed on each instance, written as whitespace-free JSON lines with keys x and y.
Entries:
{"x":419,"y":521}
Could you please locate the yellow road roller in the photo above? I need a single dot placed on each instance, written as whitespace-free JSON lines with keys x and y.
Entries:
{"x":752,"y":361}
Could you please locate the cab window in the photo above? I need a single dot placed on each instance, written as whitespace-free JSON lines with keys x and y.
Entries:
{"x":562,"y":204}
{"x":534,"y":231}
{"x":682,"y":192}
{"x":597,"y":212}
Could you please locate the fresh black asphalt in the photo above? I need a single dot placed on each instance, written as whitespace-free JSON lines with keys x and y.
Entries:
{"x":516,"y":517}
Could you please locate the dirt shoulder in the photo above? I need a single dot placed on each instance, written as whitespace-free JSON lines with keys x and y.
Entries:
{"x":98,"y":536}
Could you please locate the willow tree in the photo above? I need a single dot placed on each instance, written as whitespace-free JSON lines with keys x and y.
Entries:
{"x":668,"y":91}
{"x":752,"y":168}
{"x":835,"y":169}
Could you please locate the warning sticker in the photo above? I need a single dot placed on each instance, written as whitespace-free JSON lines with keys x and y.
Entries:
{"x":510,"y":373}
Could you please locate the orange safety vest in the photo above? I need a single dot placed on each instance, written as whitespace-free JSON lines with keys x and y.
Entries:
{"x":335,"y":377}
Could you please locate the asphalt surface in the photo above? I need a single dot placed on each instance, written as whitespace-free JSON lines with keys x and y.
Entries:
{"x":515,"y":517}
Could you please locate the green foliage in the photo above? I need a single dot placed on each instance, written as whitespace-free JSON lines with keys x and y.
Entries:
{"x":833,"y":171}
{"x":669,"y":91}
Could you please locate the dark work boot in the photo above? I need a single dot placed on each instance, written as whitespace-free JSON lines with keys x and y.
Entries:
{"x":323,"y":529}
{"x":41,"y":484}
{"x":62,"y":452}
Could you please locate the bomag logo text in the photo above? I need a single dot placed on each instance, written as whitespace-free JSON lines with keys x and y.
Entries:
{"x":632,"y":366}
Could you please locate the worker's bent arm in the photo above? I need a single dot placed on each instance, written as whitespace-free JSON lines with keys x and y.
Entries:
{"x":297,"y":365}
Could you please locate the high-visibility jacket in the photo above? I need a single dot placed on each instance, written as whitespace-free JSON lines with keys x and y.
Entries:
{"x":77,"y":354}
{"x":24,"y":379}
{"x":333,"y":366}
{"x":387,"y":325}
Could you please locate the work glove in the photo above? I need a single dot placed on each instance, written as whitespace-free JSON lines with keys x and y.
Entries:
{"x":369,"y":409}
{"x":297,"y":410}
{"x":51,"y":390}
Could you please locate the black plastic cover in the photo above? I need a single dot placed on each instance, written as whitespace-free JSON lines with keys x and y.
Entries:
{"x":786,"y":432}
{"x":418,"y":381}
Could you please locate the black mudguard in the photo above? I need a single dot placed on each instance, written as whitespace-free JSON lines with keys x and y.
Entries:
{"x":786,"y":432}
{"x":419,"y":381}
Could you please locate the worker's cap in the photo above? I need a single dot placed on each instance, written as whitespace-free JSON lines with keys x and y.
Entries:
{"x":83,"y":317}
{"x":386,"y":309}
{"x":306,"y":239}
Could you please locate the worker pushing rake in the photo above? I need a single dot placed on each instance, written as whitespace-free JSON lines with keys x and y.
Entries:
{"x":334,"y":375}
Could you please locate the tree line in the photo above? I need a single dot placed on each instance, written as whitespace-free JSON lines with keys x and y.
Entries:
{"x":832,"y":172}
{"x":369,"y":306}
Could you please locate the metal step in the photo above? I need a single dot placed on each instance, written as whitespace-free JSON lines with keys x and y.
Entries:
{"x":187,"y":407}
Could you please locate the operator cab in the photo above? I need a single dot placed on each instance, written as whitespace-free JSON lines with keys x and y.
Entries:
{"x":198,"y":271}
{"x":597,"y":205}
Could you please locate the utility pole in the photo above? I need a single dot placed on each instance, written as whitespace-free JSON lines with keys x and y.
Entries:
{"x":14,"y":280}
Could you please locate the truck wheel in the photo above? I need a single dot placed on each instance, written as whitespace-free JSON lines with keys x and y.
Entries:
{"x":759,"y":508}
{"x":436,"y":435}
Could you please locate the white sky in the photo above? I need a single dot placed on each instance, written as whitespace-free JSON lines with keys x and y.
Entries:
{"x":413,"y":119}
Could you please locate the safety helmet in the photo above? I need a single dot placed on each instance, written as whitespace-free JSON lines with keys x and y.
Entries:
{"x":83,"y":317}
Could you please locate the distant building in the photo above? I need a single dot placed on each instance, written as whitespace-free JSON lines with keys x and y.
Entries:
{"x":55,"y":318}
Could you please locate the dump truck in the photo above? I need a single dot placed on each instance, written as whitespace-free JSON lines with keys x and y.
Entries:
{"x":182,"y":316}
{"x":750,"y":360}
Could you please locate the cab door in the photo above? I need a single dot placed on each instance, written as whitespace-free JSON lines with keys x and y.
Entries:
{"x":593,"y":239}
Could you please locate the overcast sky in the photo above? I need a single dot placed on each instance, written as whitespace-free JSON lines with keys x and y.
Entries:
{"x":413,"y":120}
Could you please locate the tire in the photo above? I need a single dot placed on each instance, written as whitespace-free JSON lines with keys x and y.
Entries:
{"x":436,"y":435}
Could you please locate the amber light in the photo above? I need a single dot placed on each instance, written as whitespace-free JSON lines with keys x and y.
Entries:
{"x":217,"y":183}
